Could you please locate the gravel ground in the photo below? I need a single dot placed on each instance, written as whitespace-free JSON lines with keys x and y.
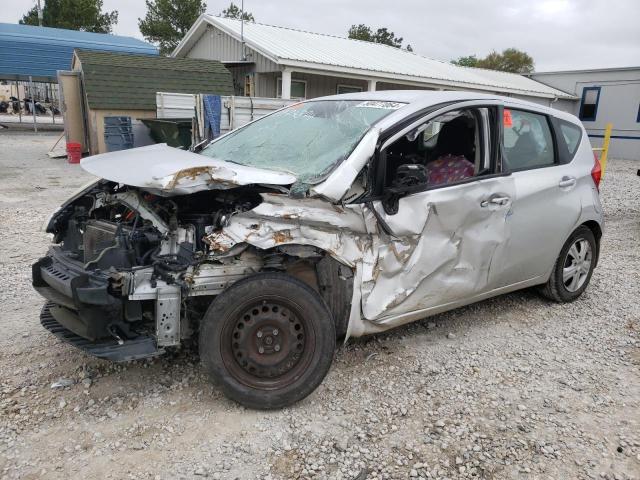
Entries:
{"x":513,"y":387}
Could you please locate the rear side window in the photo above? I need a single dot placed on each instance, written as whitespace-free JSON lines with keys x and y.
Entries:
{"x":528,"y":142}
{"x":571,"y":134}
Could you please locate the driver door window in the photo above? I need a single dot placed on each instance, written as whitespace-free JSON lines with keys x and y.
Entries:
{"x":447,"y":150}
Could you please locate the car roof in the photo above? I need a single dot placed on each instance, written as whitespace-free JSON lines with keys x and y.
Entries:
{"x":417,"y":100}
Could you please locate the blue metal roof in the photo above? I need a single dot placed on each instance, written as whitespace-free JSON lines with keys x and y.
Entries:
{"x":42,"y":51}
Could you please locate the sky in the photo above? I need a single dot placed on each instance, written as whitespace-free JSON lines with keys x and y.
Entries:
{"x":558,"y":34}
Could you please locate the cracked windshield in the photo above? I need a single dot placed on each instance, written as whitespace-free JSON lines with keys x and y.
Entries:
{"x":306,"y":139}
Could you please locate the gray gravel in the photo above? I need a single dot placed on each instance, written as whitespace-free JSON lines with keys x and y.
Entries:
{"x":513,"y":387}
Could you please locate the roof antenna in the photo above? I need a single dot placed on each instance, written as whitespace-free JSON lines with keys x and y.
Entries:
{"x":244,"y":53}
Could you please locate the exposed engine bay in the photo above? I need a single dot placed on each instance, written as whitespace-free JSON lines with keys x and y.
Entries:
{"x":125,"y":228}
{"x":129,"y":264}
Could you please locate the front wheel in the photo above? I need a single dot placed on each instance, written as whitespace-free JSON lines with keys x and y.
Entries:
{"x":268,"y":341}
{"x":573,"y":268}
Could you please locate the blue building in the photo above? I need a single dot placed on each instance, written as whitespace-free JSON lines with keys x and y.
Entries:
{"x":40,"y":52}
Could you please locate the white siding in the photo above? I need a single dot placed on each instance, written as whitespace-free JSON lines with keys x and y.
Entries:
{"x":214,"y":44}
{"x":317,"y":85}
{"x":618,"y":103}
{"x":399,"y":86}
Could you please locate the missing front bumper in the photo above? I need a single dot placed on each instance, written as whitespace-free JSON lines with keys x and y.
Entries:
{"x":131,"y":349}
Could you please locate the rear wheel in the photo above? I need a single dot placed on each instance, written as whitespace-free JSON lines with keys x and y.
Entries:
{"x":268,"y":340}
{"x":573,"y":268}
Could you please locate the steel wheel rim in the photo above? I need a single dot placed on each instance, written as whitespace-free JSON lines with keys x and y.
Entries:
{"x":577,"y":265}
{"x":267,"y":344}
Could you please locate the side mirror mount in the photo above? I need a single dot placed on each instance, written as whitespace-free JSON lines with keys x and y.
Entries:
{"x":391,"y":202}
{"x":407,"y":176}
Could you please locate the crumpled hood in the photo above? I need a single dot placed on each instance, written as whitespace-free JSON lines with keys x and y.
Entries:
{"x":169,"y":171}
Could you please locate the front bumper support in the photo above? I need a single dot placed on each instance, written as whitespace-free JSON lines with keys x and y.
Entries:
{"x":109,"y":349}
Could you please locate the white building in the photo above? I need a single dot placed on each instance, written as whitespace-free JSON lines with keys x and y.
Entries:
{"x":604,"y":95}
{"x":270,"y":61}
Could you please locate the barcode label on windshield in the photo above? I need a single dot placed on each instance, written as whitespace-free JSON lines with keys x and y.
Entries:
{"x":379,"y":104}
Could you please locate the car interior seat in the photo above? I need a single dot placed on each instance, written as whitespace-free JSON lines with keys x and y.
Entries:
{"x":456,"y":138}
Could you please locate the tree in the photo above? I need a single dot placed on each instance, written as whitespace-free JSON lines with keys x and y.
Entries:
{"x":167,"y":21}
{"x":470,"y":61}
{"x":381,"y":35}
{"x":233,"y":11}
{"x":85,"y":15}
{"x":385,"y":37}
{"x":361,"y":32}
{"x":510,"y":60}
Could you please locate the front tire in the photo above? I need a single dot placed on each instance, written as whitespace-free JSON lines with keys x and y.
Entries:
{"x":268,"y":341}
{"x":573,"y":268}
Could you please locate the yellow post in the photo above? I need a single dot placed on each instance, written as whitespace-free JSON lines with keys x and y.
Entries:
{"x":605,"y":147}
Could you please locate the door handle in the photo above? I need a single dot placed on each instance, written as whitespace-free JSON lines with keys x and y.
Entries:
{"x":495,"y":201}
{"x":567,"y":182}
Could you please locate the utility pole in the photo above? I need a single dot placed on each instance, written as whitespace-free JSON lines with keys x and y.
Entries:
{"x":244,"y":54}
{"x":39,"y":13}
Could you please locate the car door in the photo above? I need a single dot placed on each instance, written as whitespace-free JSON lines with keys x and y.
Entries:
{"x":546,"y":204}
{"x":437,"y":245}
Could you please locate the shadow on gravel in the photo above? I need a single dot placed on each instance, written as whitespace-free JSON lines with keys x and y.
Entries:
{"x":180,"y":369}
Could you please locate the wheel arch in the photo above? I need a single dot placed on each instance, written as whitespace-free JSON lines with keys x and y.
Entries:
{"x":596,"y":229}
{"x":333,"y":279}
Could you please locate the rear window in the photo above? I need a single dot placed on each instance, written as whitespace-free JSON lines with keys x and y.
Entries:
{"x":571,"y":134}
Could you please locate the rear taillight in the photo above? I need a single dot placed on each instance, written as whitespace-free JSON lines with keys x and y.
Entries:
{"x":596,"y":171}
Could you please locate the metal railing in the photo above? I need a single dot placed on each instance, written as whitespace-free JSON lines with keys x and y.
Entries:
{"x":31,"y":99}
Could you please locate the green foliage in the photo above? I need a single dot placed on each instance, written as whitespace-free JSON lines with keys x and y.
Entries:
{"x":510,"y":60}
{"x":361,"y":32}
{"x":167,"y":21}
{"x":381,"y":35}
{"x":233,"y":11}
{"x":470,"y":61}
{"x":84,"y":15}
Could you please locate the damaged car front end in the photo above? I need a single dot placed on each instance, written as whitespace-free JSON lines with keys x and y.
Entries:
{"x":124,"y":261}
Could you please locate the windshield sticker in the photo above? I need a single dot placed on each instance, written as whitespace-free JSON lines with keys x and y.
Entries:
{"x":378,"y":104}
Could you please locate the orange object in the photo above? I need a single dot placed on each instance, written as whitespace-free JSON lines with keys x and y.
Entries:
{"x":74,"y":152}
{"x":507,"y":119}
{"x":596,"y":171}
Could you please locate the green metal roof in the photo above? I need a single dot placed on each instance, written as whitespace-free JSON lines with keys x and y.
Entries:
{"x":121,"y":81}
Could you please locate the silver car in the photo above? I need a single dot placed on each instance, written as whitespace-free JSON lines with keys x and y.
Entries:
{"x":329,"y":219}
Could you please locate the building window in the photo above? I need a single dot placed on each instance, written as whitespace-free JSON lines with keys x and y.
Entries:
{"x":589,"y":103}
{"x":298,"y":88}
{"x":348,"y":89}
{"x":638,"y":117}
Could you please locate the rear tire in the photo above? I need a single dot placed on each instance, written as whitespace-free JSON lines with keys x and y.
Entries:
{"x":573,"y":268}
{"x":268,"y":341}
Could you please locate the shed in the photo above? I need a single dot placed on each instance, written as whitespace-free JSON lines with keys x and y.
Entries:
{"x":273,"y":61}
{"x":123,"y":85}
